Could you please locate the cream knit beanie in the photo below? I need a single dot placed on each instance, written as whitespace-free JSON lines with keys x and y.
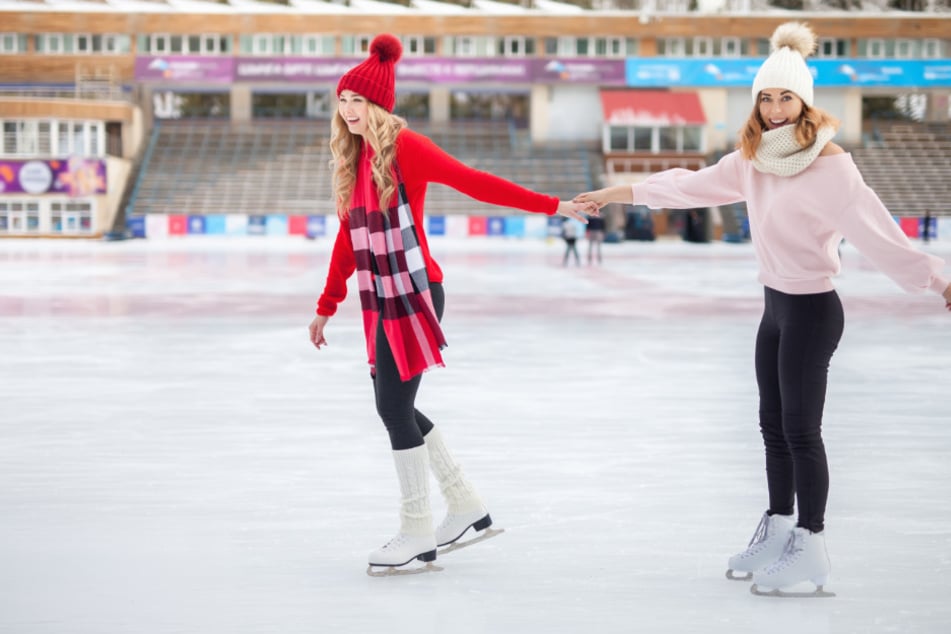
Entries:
{"x":786,"y":66}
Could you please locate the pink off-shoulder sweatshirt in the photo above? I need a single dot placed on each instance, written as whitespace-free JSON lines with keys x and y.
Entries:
{"x":798,"y":221}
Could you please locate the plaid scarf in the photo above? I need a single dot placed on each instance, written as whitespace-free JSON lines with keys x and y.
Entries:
{"x":391,"y":276}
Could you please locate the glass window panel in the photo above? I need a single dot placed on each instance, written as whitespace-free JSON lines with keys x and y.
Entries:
{"x":643,"y":139}
{"x":692,"y":139}
{"x":618,"y":138}
{"x":668,"y":139}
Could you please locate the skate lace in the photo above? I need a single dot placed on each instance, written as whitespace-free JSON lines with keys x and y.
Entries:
{"x":396,"y":542}
{"x":791,"y":551}
{"x":762,"y":531}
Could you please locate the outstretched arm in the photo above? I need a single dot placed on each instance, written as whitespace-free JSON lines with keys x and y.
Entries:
{"x":576,"y":210}
{"x":601,"y":197}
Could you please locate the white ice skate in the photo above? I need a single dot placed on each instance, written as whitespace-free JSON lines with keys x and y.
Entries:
{"x":400,"y":551}
{"x":764,"y":548}
{"x":466,"y":509}
{"x":455,"y":525}
{"x":416,"y":539}
{"x":804,"y":559}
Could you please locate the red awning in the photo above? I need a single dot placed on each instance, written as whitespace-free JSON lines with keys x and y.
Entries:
{"x":651,"y":108}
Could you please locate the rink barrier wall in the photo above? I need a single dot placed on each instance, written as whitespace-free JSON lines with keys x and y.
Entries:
{"x":456,"y":226}
{"x":322,"y":226}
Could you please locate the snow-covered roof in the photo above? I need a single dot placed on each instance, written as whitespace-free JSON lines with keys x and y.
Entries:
{"x":498,"y":8}
{"x":377,"y":7}
{"x":871,"y":8}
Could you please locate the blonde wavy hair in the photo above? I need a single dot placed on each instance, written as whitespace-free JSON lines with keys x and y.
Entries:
{"x":382,"y":129}
{"x":810,"y":121}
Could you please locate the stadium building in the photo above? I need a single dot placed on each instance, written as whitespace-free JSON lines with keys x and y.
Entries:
{"x":173,"y":117}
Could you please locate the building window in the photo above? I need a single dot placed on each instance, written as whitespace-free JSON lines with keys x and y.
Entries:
{"x":19,"y":217}
{"x":318,"y":45}
{"x":905,"y":49}
{"x":12,"y":43}
{"x":516,"y":46}
{"x":356,"y":45}
{"x":417,"y":45}
{"x":619,"y":138}
{"x":932,"y":48}
{"x":671,"y":47}
{"x":731,"y":47}
{"x":873,"y":48}
{"x":832,"y":47}
{"x":702,"y":47}
{"x":83,"y":43}
{"x":655,"y":139}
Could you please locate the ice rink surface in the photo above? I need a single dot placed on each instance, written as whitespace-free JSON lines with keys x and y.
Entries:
{"x":175,"y":457}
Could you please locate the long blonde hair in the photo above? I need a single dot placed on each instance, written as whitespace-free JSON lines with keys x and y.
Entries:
{"x":382,"y":129}
{"x":810,"y":121}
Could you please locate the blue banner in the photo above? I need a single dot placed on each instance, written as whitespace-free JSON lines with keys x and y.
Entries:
{"x":697,"y":72}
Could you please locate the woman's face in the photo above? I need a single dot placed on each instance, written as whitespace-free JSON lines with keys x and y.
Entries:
{"x":353,"y":110}
{"x":779,"y":107}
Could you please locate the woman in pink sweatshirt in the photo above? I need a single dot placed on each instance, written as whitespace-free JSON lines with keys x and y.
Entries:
{"x":804,"y":194}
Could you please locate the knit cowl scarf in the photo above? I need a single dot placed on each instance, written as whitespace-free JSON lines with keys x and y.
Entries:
{"x":391,"y":277}
{"x":779,"y":152}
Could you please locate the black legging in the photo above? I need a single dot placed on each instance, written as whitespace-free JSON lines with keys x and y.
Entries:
{"x":795,"y":342}
{"x":395,"y":398}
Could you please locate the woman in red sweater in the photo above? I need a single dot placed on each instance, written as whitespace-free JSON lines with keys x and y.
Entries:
{"x":379,"y":164}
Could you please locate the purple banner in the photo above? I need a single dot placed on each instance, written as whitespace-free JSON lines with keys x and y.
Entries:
{"x":601,"y":72}
{"x":453,"y":70}
{"x":436,"y":70}
{"x":73,"y":177}
{"x":292,"y":68}
{"x":209,"y":69}
{"x":432,"y":70}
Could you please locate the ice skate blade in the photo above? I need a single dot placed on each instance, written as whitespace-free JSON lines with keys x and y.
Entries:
{"x":393,"y":571}
{"x":818,"y":593}
{"x":458,"y":545}
{"x":732,"y":577}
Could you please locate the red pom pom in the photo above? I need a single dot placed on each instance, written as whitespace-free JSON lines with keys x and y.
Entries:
{"x":387,"y":48}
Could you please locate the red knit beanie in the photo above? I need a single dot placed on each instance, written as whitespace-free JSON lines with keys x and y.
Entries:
{"x":375,"y":78}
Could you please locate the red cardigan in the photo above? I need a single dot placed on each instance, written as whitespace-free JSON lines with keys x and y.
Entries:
{"x":422,"y":162}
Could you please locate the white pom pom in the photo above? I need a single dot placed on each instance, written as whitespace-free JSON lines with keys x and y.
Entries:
{"x":795,"y":35}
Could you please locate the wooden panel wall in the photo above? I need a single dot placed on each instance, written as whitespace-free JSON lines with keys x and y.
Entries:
{"x":15,"y":108}
{"x":62,"y":68}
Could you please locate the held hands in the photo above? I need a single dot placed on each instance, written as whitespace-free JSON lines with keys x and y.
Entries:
{"x":316,"y":329}
{"x":573,"y":209}
{"x":602,"y":197}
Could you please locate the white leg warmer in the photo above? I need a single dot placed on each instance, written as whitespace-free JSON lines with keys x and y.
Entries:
{"x":412,"y":469}
{"x":460,"y":496}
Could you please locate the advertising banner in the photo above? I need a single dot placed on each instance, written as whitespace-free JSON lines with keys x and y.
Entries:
{"x":599,"y":72}
{"x":74,"y":176}
{"x":437,"y":70}
{"x":185,"y":68}
{"x":839,"y":73}
{"x":647,"y":72}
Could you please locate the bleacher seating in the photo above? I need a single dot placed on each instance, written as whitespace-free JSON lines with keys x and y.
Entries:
{"x":909,"y":166}
{"x":281,"y":167}
{"x":201,"y":167}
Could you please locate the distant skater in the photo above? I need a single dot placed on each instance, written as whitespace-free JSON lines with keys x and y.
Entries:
{"x":804,"y":193}
{"x":594,"y":232}
{"x":380,"y":173}
{"x":570,"y":235}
